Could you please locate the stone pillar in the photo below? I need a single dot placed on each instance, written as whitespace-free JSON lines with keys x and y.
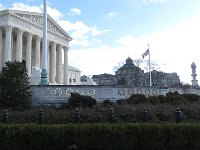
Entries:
{"x":1,"y":49}
{"x":19,"y":45}
{"x":13,"y":49}
{"x":53,"y":63}
{"x":37,"y":51}
{"x":59,"y":65}
{"x":7,"y":49}
{"x":28,"y":52}
{"x":65,"y":74}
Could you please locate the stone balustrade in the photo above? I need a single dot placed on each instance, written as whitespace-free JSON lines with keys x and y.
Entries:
{"x":57,"y":94}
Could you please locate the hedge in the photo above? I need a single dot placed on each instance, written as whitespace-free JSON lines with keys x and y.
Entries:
{"x":100,"y":136}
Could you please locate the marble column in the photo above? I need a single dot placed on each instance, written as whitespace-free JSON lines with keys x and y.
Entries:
{"x":53,"y":63}
{"x":37,"y":51}
{"x":65,"y":74}
{"x":28,"y":52}
{"x":59,"y":65}
{"x":13,"y":49}
{"x":7,"y":49}
{"x":19,"y":45}
{"x":1,"y":49}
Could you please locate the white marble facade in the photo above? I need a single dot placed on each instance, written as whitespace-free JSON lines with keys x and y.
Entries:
{"x":21,"y":39}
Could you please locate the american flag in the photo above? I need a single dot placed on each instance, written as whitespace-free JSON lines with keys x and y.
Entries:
{"x":145,"y":54}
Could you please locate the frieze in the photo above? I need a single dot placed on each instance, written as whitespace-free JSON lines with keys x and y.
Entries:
{"x":28,"y":24}
{"x":38,"y":20}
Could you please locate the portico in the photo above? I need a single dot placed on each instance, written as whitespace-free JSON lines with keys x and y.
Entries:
{"x":21,"y":40}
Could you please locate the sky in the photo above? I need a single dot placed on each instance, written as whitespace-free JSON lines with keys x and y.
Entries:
{"x":107,"y":32}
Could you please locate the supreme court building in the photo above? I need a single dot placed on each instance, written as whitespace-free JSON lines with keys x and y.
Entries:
{"x":21,"y":34}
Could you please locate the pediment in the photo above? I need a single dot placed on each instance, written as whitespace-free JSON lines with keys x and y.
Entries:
{"x":37,"y":19}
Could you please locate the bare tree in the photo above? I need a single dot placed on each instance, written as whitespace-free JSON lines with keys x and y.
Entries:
{"x":119,"y":65}
{"x":157,"y":77}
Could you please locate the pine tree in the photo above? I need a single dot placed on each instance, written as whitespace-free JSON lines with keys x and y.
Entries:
{"x":15,"y":89}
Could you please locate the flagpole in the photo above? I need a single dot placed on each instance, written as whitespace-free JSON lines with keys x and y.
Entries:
{"x":44,"y":75}
{"x":150,"y":83}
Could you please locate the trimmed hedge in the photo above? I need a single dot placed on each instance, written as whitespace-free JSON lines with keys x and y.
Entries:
{"x":100,"y":136}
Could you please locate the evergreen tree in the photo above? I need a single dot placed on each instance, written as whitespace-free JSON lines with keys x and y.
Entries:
{"x":15,"y":88}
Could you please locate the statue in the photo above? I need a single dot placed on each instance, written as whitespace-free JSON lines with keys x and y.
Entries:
{"x":36,"y":71}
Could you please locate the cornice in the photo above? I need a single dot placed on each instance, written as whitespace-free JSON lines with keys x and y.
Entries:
{"x":35,"y":20}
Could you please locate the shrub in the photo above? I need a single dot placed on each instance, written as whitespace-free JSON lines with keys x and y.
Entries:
{"x":154,"y":100}
{"x":191,"y":97}
{"x":100,"y":136}
{"x":175,"y":98}
{"x":162,"y":99}
{"x":137,"y":99}
{"x":77,"y":100}
{"x":107,"y":102}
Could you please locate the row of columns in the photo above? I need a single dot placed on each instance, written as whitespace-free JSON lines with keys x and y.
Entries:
{"x":55,"y":58}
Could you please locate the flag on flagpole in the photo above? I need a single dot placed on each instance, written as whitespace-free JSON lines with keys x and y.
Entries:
{"x":145,"y":54}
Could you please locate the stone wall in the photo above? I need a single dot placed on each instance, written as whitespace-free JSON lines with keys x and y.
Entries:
{"x":57,"y":94}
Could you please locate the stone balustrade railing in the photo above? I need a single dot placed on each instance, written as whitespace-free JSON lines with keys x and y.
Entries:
{"x":56,"y":94}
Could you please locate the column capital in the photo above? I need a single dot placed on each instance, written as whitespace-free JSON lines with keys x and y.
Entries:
{"x":8,"y":28}
{"x":59,"y":45}
{"x":53,"y":43}
{"x":38,"y":37}
{"x":28,"y":34}
{"x":66,"y":48}
{"x":19,"y":31}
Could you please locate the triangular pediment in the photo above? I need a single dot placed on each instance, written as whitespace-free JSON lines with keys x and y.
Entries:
{"x":37,"y":19}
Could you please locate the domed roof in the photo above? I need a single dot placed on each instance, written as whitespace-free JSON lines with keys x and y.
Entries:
{"x":129,"y":61}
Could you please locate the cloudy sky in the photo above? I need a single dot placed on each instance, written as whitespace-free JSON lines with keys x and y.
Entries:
{"x":106,"y":32}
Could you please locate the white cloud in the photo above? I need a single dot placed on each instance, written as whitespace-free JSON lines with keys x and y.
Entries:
{"x":154,"y":1}
{"x":95,"y":31}
{"x":1,"y":7}
{"x":112,"y":14}
{"x":74,"y":12}
{"x":54,"y":13}
{"x":138,"y":3}
{"x":81,"y":32}
{"x":21,"y":6}
{"x":157,"y":1}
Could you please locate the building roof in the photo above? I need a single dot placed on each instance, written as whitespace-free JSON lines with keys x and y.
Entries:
{"x":37,"y":19}
{"x":73,"y":69}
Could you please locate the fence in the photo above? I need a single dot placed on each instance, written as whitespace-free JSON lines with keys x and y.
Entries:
{"x":77,"y":116}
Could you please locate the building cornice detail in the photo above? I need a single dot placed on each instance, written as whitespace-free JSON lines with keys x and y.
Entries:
{"x":34,"y":25}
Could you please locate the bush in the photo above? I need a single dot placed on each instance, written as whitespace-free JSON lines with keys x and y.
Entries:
{"x":107,"y":102}
{"x":100,"y":136}
{"x":162,"y":99}
{"x":154,"y":100}
{"x":137,"y":99}
{"x":15,"y":88}
{"x":77,"y":100}
{"x":191,"y":97}
{"x":175,"y":98}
